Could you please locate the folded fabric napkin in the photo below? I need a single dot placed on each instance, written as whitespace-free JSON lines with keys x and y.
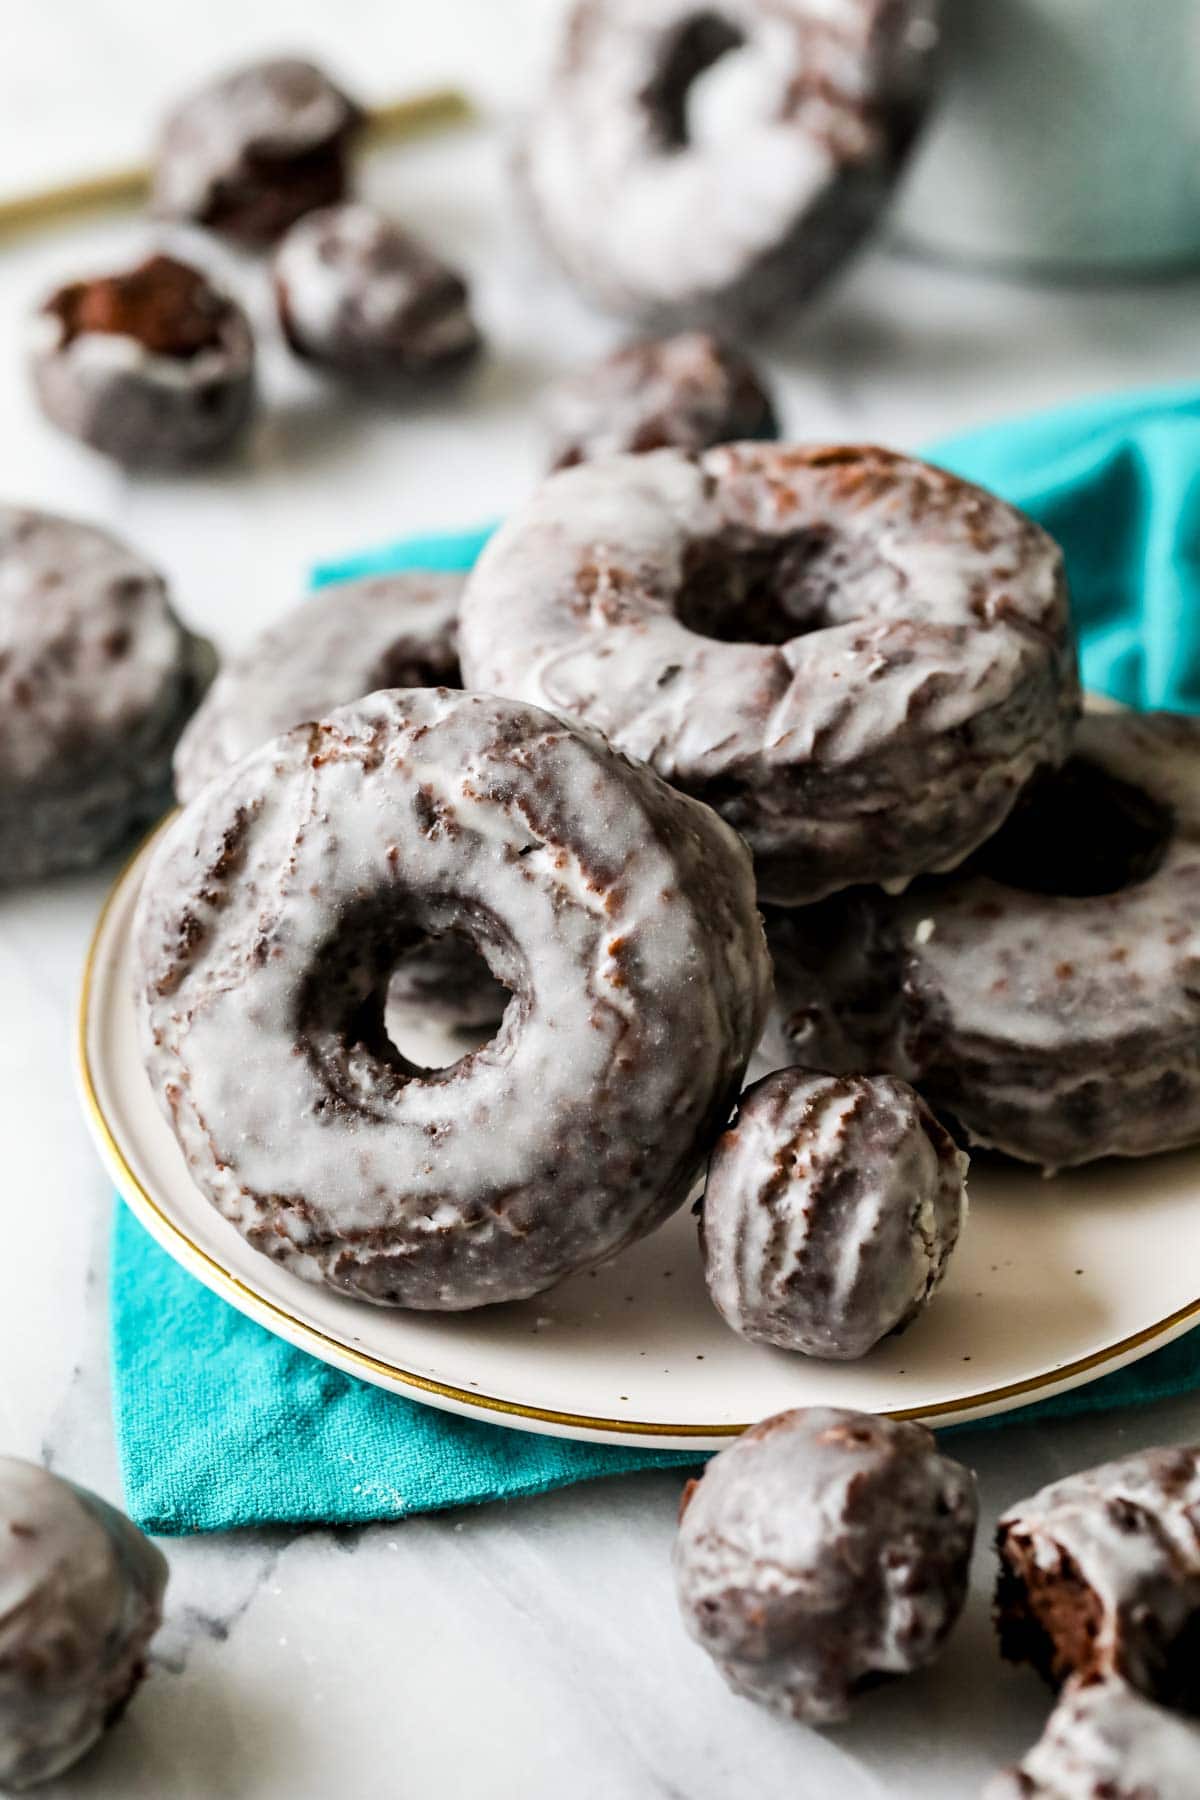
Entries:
{"x":220,"y":1424}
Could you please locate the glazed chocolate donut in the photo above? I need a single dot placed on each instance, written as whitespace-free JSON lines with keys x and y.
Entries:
{"x":1105,"y":1742}
{"x":343,"y":642}
{"x":857,"y":659}
{"x":1100,"y":1576}
{"x":690,"y":391}
{"x":253,"y":151}
{"x":153,"y":367}
{"x":97,"y":677}
{"x":822,"y":1552}
{"x":832,"y":1207}
{"x":80,"y":1598}
{"x":361,"y":298}
{"x":619,"y":914}
{"x":1046,"y":997}
{"x":659,"y":209}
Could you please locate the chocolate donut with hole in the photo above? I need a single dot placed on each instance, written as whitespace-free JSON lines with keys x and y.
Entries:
{"x":832,"y":1207}
{"x":97,"y":678}
{"x":691,"y":391}
{"x":620,"y":915}
{"x":681,"y":196}
{"x":1104,"y":1741}
{"x":254,"y":150}
{"x":858,"y":659}
{"x":823,"y":1552}
{"x":153,"y":367}
{"x":1100,"y":1576}
{"x":1048,"y":996}
{"x":81,"y":1595}
{"x":349,"y":639}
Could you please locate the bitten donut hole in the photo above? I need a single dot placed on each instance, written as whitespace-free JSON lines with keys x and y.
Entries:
{"x":698,"y":81}
{"x":165,"y":305}
{"x":766,"y":590}
{"x":1079,"y":832}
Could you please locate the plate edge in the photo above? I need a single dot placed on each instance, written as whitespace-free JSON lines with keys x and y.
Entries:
{"x":248,"y":1300}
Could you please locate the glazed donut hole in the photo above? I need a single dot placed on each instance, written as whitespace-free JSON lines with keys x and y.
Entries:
{"x":1079,"y":832}
{"x":359,"y":1026}
{"x":744,"y":588}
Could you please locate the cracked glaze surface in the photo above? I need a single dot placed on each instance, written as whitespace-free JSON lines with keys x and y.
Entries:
{"x":916,"y":671}
{"x":620,"y":914}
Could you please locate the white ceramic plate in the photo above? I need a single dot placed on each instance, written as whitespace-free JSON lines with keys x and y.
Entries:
{"x":1054,"y":1283}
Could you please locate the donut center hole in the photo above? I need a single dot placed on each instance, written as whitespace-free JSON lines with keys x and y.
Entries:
{"x":699,"y":91}
{"x":1078,"y":832}
{"x":390,"y":985}
{"x":441,"y":988}
{"x":745,"y":589}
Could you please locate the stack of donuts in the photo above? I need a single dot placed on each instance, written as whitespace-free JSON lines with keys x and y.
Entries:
{"x":726,"y":748}
{"x":833,"y":683}
{"x":739,"y":812}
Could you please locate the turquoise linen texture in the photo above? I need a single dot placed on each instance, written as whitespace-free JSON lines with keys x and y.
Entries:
{"x":220,"y":1424}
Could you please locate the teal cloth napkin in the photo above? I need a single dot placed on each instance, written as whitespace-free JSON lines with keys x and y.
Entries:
{"x":220,"y":1424}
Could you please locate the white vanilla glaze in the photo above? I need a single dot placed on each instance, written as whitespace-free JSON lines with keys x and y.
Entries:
{"x":621,"y":915}
{"x":340,"y":643}
{"x":832,"y":1207}
{"x":278,"y":108}
{"x":656,"y":228}
{"x":821,"y":1547}
{"x":1104,"y":1741}
{"x":1130,"y":1530}
{"x":945,"y":611}
{"x":80,"y":1598}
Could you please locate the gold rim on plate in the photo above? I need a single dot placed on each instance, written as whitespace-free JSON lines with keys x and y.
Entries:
{"x":253,"y":1302}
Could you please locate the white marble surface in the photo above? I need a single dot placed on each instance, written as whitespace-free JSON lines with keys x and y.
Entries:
{"x":531,"y":1650}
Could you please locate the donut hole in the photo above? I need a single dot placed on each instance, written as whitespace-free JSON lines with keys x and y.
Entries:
{"x":697,"y":85}
{"x":443,"y":981}
{"x":1078,"y":832}
{"x":361,"y":1009}
{"x":745,"y":588}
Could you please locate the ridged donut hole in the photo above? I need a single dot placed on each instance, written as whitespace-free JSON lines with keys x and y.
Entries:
{"x":673,"y":94}
{"x":1078,"y":832}
{"x":363,"y":1000}
{"x":745,"y":588}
